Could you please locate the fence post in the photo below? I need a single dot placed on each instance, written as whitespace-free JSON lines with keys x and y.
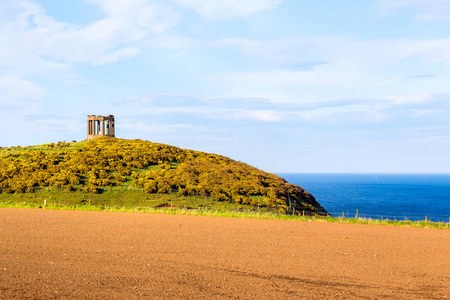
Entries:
{"x":356,"y":217}
{"x":343,"y":216}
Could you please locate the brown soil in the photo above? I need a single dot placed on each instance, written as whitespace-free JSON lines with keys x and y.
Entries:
{"x":102,"y":255}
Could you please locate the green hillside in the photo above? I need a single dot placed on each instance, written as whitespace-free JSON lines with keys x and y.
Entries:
{"x":111,"y":171}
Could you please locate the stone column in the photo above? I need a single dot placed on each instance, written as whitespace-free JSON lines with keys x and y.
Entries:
{"x":103,"y":127}
{"x":113,"y":128}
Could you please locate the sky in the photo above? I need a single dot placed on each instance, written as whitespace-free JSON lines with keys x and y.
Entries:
{"x":284,"y":85}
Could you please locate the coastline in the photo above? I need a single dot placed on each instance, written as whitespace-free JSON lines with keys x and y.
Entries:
{"x":379,"y":195}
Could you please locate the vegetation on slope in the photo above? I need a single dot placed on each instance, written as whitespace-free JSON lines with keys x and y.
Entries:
{"x":103,"y":164}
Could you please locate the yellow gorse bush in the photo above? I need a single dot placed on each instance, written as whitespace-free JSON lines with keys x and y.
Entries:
{"x":153,"y":167}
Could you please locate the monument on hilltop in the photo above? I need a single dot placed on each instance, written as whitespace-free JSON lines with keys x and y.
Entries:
{"x":100,"y":126}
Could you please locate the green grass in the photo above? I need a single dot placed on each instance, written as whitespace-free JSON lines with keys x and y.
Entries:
{"x":127,"y":197}
{"x":44,"y":147}
{"x":138,"y":201}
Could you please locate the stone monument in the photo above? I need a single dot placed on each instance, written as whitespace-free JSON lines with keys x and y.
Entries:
{"x":100,"y":126}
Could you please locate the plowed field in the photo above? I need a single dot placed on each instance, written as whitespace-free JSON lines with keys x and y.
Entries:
{"x":103,"y":255}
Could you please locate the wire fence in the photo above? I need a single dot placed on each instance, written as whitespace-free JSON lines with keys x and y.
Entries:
{"x":388,"y":215}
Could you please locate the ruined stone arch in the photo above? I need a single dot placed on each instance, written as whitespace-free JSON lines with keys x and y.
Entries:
{"x":100,"y":126}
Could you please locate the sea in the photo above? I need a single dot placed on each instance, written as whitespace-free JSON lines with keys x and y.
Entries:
{"x":379,"y":196}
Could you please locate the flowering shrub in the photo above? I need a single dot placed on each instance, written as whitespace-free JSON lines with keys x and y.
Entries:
{"x":153,"y":167}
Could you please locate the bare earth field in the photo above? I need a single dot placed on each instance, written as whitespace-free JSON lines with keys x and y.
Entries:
{"x":48,"y":254}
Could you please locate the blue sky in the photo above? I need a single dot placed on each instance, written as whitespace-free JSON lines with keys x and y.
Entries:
{"x":284,"y":85}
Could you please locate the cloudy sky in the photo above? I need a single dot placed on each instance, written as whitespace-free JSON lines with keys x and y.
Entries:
{"x":284,"y":85}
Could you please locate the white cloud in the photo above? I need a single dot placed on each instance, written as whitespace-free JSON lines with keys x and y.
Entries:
{"x":444,"y":139}
{"x":177,"y":45}
{"x":261,"y":115}
{"x":422,"y":9}
{"x":424,"y":112}
{"x":269,"y":49}
{"x":74,"y":82}
{"x":214,"y":10}
{"x":33,"y":41}
{"x":18,"y":52}
{"x":332,"y":48}
{"x":35,"y":45}
{"x":388,"y":109}
{"x":336,"y":68}
{"x":18,"y":99}
{"x":12,"y":89}
{"x":324,"y":83}
{"x":171,"y":42}
{"x":412,"y":98}
{"x":116,"y":55}
{"x":134,"y":21}
{"x":150,"y":127}
{"x":213,"y":109}
{"x":148,"y":15}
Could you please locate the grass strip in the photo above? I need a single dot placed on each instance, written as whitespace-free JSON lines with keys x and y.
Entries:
{"x":228,"y":214}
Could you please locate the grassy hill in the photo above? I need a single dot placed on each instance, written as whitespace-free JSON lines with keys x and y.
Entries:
{"x":111,"y":171}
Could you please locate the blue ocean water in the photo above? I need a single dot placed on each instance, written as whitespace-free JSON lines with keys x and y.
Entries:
{"x":387,"y":196}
